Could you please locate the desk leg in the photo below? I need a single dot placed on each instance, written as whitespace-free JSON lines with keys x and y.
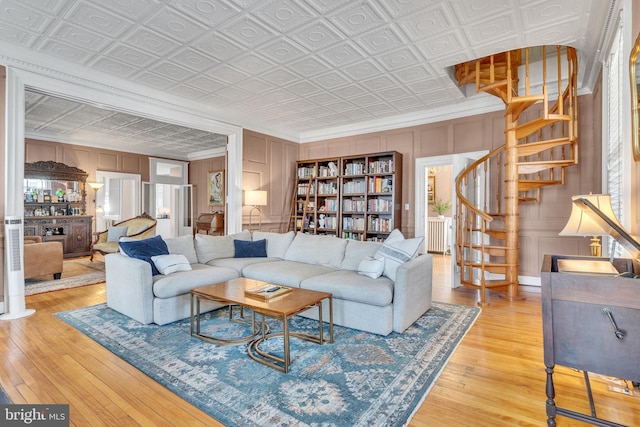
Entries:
{"x":330,"y":320}
{"x":551,"y":394}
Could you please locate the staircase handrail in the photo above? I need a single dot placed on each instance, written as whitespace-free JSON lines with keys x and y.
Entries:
{"x":461,"y":198}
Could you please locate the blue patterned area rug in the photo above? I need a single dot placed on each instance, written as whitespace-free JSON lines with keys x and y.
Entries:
{"x":361,"y":379}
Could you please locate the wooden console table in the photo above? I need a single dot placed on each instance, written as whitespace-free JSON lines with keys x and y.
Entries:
{"x":591,"y":322}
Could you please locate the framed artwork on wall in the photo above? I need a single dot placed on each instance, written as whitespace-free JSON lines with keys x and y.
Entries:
{"x":431,"y":189}
{"x":216,"y":188}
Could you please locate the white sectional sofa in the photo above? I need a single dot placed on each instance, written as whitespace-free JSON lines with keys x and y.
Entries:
{"x":390,"y":302}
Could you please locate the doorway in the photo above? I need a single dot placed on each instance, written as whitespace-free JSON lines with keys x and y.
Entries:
{"x":118,"y":199}
{"x":457,"y":163}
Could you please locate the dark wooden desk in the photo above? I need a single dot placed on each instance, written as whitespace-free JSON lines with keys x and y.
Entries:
{"x":591,"y":322}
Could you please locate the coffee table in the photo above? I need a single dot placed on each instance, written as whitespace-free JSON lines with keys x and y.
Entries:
{"x":282,"y":308}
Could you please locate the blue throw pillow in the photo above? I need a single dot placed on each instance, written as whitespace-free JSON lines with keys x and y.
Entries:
{"x":249,"y":249}
{"x":145,"y":249}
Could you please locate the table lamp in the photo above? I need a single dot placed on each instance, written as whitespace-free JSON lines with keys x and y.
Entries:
{"x":255,"y":198}
{"x":580,"y":224}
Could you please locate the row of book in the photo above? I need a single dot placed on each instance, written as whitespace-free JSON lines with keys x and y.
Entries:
{"x":327,"y":188}
{"x":381,"y":166}
{"x":353,"y":223}
{"x":350,"y":205}
{"x":380,"y":224}
{"x":380,"y":185}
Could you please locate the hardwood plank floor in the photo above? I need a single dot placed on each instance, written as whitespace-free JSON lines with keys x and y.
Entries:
{"x":495,"y":378}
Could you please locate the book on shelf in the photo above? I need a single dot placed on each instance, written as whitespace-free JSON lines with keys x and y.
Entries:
{"x":267,"y":292}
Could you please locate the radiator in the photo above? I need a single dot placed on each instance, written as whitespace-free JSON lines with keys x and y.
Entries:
{"x":438,"y":235}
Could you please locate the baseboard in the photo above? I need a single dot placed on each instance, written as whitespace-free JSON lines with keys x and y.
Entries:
{"x":527,"y":283}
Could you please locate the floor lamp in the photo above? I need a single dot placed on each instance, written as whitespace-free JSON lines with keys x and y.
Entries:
{"x":96,"y":186}
{"x":255,"y":198}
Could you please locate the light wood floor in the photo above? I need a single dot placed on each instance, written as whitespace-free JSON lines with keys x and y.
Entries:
{"x":495,"y":378}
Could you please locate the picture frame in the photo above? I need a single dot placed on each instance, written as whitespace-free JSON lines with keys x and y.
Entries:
{"x":431,"y":189}
{"x":215,"y":187}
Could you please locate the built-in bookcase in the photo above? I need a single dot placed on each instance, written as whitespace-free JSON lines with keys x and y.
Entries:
{"x":354,"y":197}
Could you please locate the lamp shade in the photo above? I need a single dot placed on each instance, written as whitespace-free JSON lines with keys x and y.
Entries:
{"x":95,"y":185}
{"x":255,"y":198}
{"x":581,"y":224}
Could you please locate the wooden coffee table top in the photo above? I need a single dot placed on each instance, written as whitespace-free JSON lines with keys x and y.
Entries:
{"x":232,"y":291}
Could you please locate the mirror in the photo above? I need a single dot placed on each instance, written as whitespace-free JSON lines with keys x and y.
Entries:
{"x":635,"y":81}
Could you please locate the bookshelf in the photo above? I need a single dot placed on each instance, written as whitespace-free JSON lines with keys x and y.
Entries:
{"x":353,"y":197}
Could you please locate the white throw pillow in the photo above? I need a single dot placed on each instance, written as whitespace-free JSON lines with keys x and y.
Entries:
{"x":397,"y":250}
{"x":167,"y":264}
{"x":371,"y":267}
{"x":115,"y":233}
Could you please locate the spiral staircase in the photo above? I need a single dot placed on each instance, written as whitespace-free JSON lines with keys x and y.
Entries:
{"x":541,"y":137}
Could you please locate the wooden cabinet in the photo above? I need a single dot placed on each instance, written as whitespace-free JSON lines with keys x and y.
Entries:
{"x":55,"y":206}
{"x":353,"y":197}
{"x":591,"y":322}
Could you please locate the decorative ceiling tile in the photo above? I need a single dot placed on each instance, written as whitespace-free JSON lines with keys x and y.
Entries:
{"x":52,"y":7}
{"x":357,"y":18}
{"x":308,"y":67}
{"x":130,"y":55}
{"x":248,"y":31}
{"x":350,"y":91}
{"x":193,"y":60}
{"x":219,"y":47}
{"x":412,"y":74}
{"x":303,"y":88}
{"x":393,"y":93}
{"x":323,"y":98}
{"x":426,"y":24}
{"x":153,"y":80}
{"x":116,"y":68}
{"x":363,"y":70}
{"x":366,"y":100}
{"x":280,"y":77}
{"x":492,"y":29}
{"x":280,"y":95}
{"x":282,"y":51}
{"x":400,"y":58}
{"x":132,"y":9}
{"x":330,"y":80}
{"x":378,"y":83}
{"x":99,"y":20}
{"x":150,"y":41}
{"x":64,"y":51}
{"x":227,"y":74}
{"x":185,"y":91}
{"x":381,"y":40}
{"x":16,"y":36}
{"x":398,"y":9}
{"x":252,"y":63}
{"x":316,"y":36}
{"x":324,"y":6}
{"x":380,"y":109}
{"x":254,"y":85}
{"x":284,"y":15}
{"x":205,"y":84}
{"x":441,"y":45}
{"x":22,"y":16}
{"x":210,"y":12}
{"x":73,"y":35}
{"x":407,"y":103}
{"x":174,"y":24}
{"x":468,"y":12}
{"x":342,"y":54}
{"x":340,"y":106}
{"x":234,"y":93}
{"x":170,"y":70}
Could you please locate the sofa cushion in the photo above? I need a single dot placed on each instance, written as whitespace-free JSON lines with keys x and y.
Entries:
{"x":215,"y":247}
{"x":248,"y":249}
{"x":115,"y":233}
{"x":200,"y":275}
{"x":371,"y":267}
{"x":239,"y":264}
{"x":277,"y":243}
{"x":320,"y":250}
{"x":356,"y":251}
{"x":350,"y":286}
{"x":167,"y":264}
{"x":287,"y":273}
{"x":144,"y":249}
{"x":396,"y":250}
{"x":183,"y":245}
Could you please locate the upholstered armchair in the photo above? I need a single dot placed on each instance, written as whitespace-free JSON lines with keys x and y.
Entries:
{"x":138,"y":228}
{"x":41,"y":258}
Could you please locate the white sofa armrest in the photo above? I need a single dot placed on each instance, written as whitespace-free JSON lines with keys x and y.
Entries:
{"x":130,"y":287}
{"x":412,"y":291}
